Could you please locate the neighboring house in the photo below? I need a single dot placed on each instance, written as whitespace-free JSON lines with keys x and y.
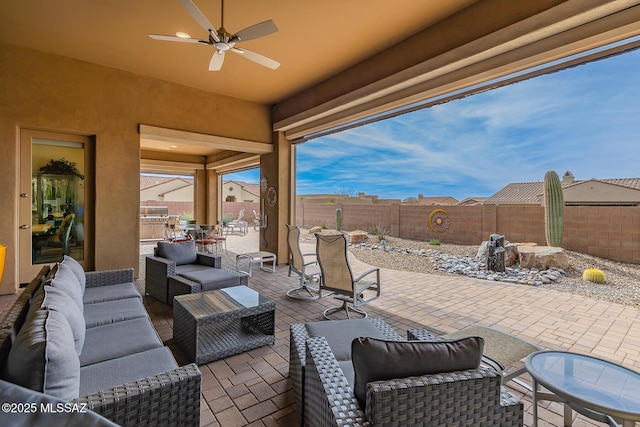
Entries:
{"x":434,"y":200}
{"x":160,"y":188}
{"x":591,"y":192}
{"x":238,"y":191}
{"x":471,"y":201}
{"x":360,"y":199}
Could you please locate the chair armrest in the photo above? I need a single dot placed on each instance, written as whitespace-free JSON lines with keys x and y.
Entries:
{"x":441,"y":398}
{"x":159,"y":267}
{"x":329,"y":401}
{"x":211,"y":260}
{"x":366,"y":273}
{"x":169,"y":398}
{"x":109,"y":277}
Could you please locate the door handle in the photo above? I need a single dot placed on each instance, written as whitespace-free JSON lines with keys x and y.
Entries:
{"x":24,"y":226}
{"x":24,"y":195}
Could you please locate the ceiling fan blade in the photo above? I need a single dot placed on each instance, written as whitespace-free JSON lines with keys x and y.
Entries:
{"x":255,"y":31}
{"x":216,"y":60}
{"x":200,"y":18}
{"x":176,"y":39}
{"x":256,"y":57}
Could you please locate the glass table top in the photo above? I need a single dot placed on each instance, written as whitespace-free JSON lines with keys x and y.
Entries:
{"x":597,"y":383}
{"x":221,"y":301}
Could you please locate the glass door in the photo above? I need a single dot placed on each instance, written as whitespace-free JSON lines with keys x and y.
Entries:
{"x":55,"y":208}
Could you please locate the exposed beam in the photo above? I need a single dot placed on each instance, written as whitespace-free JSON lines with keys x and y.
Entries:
{"x":193,"y":138}
{"x":543,"y":37}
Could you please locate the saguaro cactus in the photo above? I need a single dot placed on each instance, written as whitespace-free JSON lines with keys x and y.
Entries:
{"x":553,"y":209}
{"x":339,"y":219}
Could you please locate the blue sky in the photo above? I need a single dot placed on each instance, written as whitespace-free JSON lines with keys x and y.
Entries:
{"x":585,"y":119}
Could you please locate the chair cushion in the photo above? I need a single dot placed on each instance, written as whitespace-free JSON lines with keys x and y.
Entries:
{"x":54,"y":299}
{"x":103,"y":313}
{"x":178,"y":252}
{"x":43,"y":357}
{"x":77,"y":270}
{"x":340,"y":334}
{"x":376,"y":360}
{"x":66,"y":280}
{"x":118,"y":340}
{"x":110,"y":293}
{"x":122,"y":370}
{"x":213,"y":278}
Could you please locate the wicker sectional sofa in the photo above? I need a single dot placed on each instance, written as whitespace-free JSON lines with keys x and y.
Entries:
{"x":326,"y":382}
{"x":86,"y":338}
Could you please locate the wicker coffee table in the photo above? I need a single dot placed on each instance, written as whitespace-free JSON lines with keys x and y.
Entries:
{"x":220,"y":323}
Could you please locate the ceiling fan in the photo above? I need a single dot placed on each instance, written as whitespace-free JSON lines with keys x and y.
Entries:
{"x":222,"y":40}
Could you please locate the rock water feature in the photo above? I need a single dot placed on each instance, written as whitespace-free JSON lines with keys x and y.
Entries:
{"x":477,"y":267}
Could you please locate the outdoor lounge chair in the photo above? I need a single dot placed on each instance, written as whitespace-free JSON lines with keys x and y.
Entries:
{"x":307,"y":270}
{"x":331,"y":250}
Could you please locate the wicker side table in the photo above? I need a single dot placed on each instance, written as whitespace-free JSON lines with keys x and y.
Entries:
{"x":220,"y":323}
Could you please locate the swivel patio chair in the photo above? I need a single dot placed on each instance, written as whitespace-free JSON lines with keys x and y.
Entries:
{"x":337,"y":277}
{"x":307,"y":270}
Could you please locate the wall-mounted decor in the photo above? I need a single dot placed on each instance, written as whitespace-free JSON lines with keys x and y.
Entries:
{"x":272,"y":196}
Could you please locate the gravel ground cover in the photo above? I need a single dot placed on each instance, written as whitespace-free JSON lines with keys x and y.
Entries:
{"x":622,"y":285}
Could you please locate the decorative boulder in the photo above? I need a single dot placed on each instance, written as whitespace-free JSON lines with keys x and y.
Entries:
{"x":542,"y":257}
{"x":510,"y":254}
{"x":358,"y":236}
{"x":316,"y":229}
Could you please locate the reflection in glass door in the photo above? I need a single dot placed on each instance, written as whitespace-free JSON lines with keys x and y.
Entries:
{"x":53,"y":222}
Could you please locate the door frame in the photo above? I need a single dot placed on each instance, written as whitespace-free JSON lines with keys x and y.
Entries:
{"x":26,"y":270}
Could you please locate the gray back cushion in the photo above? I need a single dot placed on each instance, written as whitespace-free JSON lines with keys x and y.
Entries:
{"x":340,"y":333}
{"x":379,"y":360}
{"x":178,"y":252}
{"x":43,"y":357}
{"x":66,"y":281}
{"x":77,"y":270}
{"x":55,"y":299}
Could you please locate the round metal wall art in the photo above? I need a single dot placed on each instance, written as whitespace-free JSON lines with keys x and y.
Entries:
{"x":272,"y":196}
{"x":439,"y":221}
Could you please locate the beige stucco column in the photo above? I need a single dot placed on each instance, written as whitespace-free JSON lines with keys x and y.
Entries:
{"x":277,"y":168}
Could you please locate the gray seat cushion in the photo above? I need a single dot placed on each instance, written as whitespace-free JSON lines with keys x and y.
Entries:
{"x":213,"y":278}
{"x":190,"y":268}
{"x":103,"y":313}
{"x":379,"y":360}
{"x":340,"y":334}
{"x":114,"y":372}
{"x":118,"y":339}
{"x":110,"y":293}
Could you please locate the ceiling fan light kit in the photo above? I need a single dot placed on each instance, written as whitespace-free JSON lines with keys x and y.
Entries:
{"x":222,"y":40}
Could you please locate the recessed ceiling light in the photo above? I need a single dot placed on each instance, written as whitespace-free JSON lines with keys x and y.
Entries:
{"x":183,"y":35}
{"x":173,"y":146}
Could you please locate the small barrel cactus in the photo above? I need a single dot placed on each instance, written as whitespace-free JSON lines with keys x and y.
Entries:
{"x":594,"y":275}
{"x":339,"y":219}
{"x":553,"y":209}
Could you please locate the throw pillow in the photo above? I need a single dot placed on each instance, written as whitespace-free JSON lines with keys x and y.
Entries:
{"x":66,"y":280}
{"x":43,"y":356}
{"x":379,"y":360}
{"x":179,"y":252}
{"x":51,"y":298}
{"x":77,"y":270}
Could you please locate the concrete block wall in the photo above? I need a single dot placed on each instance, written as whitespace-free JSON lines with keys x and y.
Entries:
{"x":611,"y":232}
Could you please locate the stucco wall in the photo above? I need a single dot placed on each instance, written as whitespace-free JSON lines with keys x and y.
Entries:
{"x":611,"y":232}
{"x":50,"y":92}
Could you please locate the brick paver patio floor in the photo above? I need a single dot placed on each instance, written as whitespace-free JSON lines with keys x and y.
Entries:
{"x":253,"y":388}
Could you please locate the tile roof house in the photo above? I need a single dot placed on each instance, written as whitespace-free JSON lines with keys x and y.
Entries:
{"x":590,"y":192}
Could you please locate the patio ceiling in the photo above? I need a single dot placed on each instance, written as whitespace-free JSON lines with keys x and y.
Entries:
{"x":338,"y":64}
